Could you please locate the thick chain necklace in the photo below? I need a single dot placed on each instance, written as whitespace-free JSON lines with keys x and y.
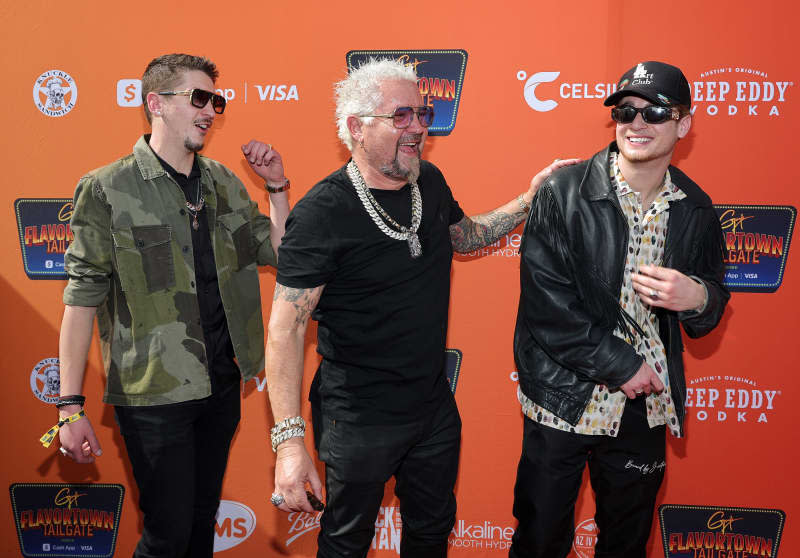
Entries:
{"x":373,"y":208}
{"x":195,"y":208}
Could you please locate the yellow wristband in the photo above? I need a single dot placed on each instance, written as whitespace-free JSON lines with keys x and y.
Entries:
{"x":48,"y":437}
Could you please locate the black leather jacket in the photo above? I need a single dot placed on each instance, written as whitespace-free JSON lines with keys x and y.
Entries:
{"x":573,"y":257}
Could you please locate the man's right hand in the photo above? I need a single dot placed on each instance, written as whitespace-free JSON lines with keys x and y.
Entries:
{"x":293,"y":469}
{"x":78,"y":438}
{"x":644,"y":381}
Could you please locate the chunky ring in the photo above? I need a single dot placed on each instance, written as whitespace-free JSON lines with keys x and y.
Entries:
{"x":277,"y":499}
{"x":639,"y":392}
{"x":654,"y":295}
{"x":63,"y":451}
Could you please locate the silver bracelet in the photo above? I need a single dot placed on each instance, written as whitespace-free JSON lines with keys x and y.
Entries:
{"x":523,"y":205}
{"x":293,"y":427}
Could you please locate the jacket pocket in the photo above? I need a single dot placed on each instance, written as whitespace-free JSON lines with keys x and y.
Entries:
{"x":144,"y":258}
{"x":238,"y":230}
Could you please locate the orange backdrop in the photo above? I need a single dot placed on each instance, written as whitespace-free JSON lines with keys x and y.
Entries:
{"x":498,"y":143}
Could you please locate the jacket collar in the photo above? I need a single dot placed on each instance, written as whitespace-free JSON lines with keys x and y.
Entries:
{"x":596,"y":181}
{"x":149,"y":165}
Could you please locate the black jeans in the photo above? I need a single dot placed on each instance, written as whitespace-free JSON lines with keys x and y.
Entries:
{"x":179,"y":453}
{"x":359,"y":459}
{"x":626,"y":473}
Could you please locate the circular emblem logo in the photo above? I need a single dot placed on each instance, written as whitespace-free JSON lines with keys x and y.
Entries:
{"x":46,"y":380}
{"x":585,"y":538}
{"x":235,"y":522}
{"x":55,"y":93}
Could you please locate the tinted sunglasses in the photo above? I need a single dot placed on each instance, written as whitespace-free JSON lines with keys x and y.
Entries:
{"x":200,"y":97}
{"x":652,"y":114}
{"x":403,"y":116}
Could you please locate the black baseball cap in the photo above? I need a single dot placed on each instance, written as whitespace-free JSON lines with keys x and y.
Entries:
{"x":657,"y":82}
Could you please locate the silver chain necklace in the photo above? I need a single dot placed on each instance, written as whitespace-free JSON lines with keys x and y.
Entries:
{"x":409,"y":234}
{"x":194,"y":209}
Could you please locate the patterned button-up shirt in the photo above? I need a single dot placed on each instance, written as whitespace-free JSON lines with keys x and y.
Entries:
{"x":647,"y":233}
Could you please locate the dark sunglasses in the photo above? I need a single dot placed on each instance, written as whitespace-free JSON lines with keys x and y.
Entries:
{"x":652,"y":114}
{"x":200,"y":97}
{"x":403,"y":116}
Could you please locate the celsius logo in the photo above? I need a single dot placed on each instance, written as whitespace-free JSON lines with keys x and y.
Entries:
{"x":538,"y":100}
{"x":46,"y":380}
{"x":55,"y":93}
{"x":733,"y":90}
{"x":585,"y":538}
{"x":530,"y":89}
{"x":235,"y":522}
{"x":730,"y":399}
{"x":129,"y":92}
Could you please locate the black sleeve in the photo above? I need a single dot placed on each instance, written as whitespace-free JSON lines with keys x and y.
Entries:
{"x":307,"y":254}
{"x":708,"y":265}
{"x":555,"y":314}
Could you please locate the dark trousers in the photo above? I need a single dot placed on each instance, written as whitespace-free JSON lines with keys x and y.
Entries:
{"x":625,"y":472}
{"x":179,"y":453}
{"x":359,"y":459}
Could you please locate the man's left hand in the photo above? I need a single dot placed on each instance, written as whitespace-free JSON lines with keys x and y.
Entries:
{"x":668,"y":288}
{"x":265,"y":161}
{"x":544,"y":174}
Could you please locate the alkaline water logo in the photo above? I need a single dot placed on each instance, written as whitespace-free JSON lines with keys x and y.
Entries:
{"x":235,"y":522}
{"x":440,"y":76}
{"x":55,"y":93}
{"x":46,"y":380}
{"x":505,"y":247}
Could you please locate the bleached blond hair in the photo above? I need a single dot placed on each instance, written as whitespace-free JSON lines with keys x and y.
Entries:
{"x":359,"y":93}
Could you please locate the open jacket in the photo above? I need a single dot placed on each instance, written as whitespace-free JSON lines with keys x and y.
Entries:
{"x":573,"y":257}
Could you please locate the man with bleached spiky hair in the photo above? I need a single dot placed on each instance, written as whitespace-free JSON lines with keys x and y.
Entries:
{"x":367,"y":254}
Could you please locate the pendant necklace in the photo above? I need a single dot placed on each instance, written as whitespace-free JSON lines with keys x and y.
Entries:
{"x":195,"y":208}
{"x":373,"y":208}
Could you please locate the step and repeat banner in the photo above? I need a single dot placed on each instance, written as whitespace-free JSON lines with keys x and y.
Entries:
{"x":514,"y":85}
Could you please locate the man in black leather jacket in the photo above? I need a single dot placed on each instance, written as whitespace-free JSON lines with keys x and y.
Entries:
{"x":617,"y":251}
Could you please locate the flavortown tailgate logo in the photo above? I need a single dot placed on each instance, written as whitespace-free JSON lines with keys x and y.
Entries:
{"x":440,"y":77}
{"x":720,"y":531}
{"x":757,"y":241}
{"x":56,"y":519}
{"x":44,"y":235}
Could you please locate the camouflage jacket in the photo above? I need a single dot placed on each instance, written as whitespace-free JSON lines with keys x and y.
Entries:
{"x":132,"y":258}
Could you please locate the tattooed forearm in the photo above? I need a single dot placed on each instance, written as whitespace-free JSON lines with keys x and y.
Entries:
{"x":471,"y":233}
{"x":303,"y":301}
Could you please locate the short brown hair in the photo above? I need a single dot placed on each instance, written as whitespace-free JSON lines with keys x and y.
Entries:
{"x":164,"y":72}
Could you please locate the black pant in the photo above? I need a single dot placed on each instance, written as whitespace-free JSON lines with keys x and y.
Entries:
{"x":179,"y":453}
{"x":359,"y":459}
{"x":626,"y":473}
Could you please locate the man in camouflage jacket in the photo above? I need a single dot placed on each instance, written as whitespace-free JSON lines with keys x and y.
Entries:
{"x":166,"y":249}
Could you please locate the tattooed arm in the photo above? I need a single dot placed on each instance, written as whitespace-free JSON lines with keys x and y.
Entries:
{"x":471,"y":233}
{"x":291,"y":310}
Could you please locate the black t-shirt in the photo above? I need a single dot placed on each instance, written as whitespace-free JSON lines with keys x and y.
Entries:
{"x":222,"y":368}
{"x":382,"y":314}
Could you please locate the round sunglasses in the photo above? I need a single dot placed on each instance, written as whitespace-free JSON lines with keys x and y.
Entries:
{"x":403,"y":116}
